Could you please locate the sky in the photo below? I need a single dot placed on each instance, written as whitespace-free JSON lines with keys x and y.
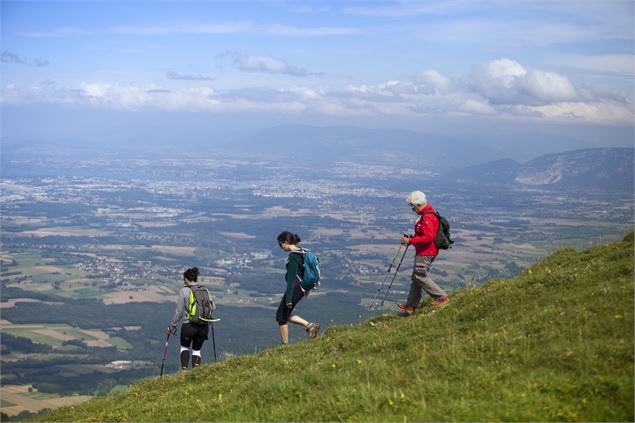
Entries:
{"x":488,"y":66}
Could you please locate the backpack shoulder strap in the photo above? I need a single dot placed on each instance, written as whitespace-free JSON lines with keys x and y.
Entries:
{"x":434,"y":213}
{"x":301,"y":253}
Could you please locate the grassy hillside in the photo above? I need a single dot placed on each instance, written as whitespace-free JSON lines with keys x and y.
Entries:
{"x":555,"y":343}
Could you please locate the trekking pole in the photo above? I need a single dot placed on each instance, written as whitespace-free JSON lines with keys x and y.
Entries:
{"x":213,"y":340}
{"x":394,"y":275}
{"x":165,"y":354}
{"x":374,"y":301}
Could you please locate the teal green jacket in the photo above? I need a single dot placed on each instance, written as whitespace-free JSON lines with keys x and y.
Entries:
{"x":295,"y":264}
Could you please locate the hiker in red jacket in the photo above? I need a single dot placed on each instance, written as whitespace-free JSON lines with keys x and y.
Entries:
{"x":425,"y":252}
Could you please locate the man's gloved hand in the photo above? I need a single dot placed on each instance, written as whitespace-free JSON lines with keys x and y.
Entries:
{"x":171,"y":329}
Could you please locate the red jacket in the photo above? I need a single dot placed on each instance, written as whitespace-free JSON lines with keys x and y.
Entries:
{"x":425,"y":230}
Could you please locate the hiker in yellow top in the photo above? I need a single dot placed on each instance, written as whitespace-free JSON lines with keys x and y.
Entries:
{"x":193,"y":333}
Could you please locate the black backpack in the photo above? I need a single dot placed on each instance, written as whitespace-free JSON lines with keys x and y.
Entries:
{"x":442,"y":239}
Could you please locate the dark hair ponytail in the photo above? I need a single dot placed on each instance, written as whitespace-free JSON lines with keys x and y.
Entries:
{"x":289,"y":238}
{"x":191,"y":274}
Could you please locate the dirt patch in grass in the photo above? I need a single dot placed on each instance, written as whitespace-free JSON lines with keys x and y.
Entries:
{"x":171,"y":249}
{"x":152,"y":294}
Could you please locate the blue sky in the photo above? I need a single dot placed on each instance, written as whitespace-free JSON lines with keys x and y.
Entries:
{"x":409,"y":64}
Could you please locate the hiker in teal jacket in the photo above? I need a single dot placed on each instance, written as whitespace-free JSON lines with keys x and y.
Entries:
{"x":294,"y":292}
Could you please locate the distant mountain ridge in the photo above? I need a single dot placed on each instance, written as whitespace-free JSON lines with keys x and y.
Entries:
{"x":597,"y":168}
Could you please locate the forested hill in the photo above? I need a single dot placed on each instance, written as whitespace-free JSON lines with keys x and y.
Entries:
{"x":555,"y":343}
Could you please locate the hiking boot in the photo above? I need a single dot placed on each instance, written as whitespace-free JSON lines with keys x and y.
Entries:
{"x":440,"y":302}
{"x":185,"y":359}
{"x":312,"y":329}
{"x":406,"y":309}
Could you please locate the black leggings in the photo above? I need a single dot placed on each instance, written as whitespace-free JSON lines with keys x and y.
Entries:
{"x":194,"y":335}
{"x":284,"y":312}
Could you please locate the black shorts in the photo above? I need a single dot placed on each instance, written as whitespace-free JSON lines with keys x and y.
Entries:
{"x":284,"y":312}
{"x":193,"y":335}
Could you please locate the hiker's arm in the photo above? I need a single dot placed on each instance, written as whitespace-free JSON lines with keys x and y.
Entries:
{"x":211,"y":299}
{"x":180,"y":308}
{"x":427,"y":226}
{"x":293,"y":272}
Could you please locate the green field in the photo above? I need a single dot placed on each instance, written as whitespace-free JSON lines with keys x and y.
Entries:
{"x":553,"y":344}
{"x":63,"y":331}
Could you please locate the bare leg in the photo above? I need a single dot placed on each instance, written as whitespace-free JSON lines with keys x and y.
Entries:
{"x":298,"y":320}
{"x":284,"y":334}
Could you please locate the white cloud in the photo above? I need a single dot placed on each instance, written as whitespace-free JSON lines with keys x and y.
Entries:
{"x":399,"y":9}
{"x":499,"y":88}
{"x":477,"y":107}
{"x":508,"y":23}
{"x":54,"y":33}
{"x":602,"y":111}
{"x":230,"y":27}
{"x":305,"y":8}
{"x":188,"y":76}
{"x":505,"y":81}
{"x":9,"y":57}
{"x":432,"y":81}
{"x":292,"y":31}
{"x":209,"y":28}
{"x":265,"y":63}
{"x":547,"y":87}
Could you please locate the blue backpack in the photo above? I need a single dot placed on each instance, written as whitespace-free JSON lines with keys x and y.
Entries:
{"x":311,"y":274}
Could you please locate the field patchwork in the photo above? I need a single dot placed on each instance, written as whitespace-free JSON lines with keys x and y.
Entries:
{"x":19,"y":398}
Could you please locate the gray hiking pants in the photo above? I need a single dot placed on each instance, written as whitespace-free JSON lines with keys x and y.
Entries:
{"x":421,"y":280}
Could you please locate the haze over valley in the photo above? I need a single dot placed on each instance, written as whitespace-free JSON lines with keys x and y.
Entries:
{"x":138,"y":139}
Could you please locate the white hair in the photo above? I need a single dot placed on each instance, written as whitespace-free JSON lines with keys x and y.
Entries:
{"x":417,"y":198}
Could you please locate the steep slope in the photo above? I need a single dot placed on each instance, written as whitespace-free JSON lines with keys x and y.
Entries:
{"x":555,"y":343}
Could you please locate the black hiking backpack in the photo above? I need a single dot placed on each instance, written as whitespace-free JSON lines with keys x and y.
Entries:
{"x":200,"y":306}
{"x":442,"y":239}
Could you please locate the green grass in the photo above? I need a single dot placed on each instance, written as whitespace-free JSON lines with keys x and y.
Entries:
{"x":553,"y":344}
{"x":35,"y":337}
{"x":120,"y":343}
